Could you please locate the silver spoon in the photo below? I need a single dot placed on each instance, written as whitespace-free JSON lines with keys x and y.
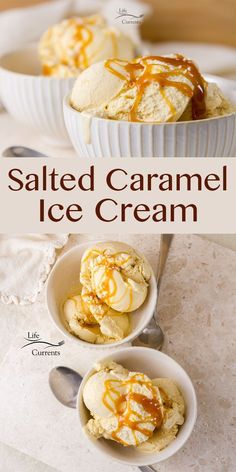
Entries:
{"x":21,"y":151}
{"x":153,"y":336}
{"x":64,"y":383}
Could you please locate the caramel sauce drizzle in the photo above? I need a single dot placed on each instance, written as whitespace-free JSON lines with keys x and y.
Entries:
{"x":121,"y":406}
{"x":89,"y":316}
{"x":108,"y":283}
{"x":84,"y":35}
{"x":47,"y":70}
{"x":139,"y":73}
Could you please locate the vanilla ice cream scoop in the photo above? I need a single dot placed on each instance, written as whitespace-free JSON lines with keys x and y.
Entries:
{"x":105,"y":327}
{"x":114,"y":281}
{"x":216,"y":103}
{"x":67,"y":48}
{"x":147,"y":89}
{"x":155,"y":89}
{"x":117,"y":275}
{"x":131,"y":409}
{"x":126,"y":407}
{"x":174,"y":410}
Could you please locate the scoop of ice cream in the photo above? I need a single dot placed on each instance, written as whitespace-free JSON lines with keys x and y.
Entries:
{"x":126,"y":406}
{"x":68,"y":47}
{"x":115,"y":327}
{"x":174,"y":409}
{"x":86,"y":332}
{"x":116,"y":274}
{"x":95,"y":305}
{"x":94,"y":389}
{"x":108,"y":327}
{"x":77,"y":307}
{"x":148,"y":89}
{"x":216,"y":103}
{"x":114,"y":281}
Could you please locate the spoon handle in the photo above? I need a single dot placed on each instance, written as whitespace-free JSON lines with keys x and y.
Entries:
{"x":147,"y":468}
{"x":166,"y":240}
{"x":21,"y":151}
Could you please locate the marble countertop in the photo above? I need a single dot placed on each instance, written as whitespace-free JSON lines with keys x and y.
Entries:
{"x":197,"y":312}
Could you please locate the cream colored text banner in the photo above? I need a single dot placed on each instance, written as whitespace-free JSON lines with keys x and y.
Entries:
{"x":118,"y":195}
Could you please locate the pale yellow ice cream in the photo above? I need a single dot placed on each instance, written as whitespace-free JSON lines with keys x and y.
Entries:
{"x":117,"y":275}
{"x":130,"y":408}
{"x":114,"y":281}
{"x":68,"y":47}
{"x":216,"y":103}
{"x":148,"y":89}
{"x":105,"y":328}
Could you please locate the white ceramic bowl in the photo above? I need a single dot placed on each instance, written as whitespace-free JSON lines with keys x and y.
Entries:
{"x":31,"y":98}
{"x":154,"y":364}
{"x":64,"y":281}
{"x":213,"y":137}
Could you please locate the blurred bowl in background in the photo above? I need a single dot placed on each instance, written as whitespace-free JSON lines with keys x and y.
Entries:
{"x":33,"y":99}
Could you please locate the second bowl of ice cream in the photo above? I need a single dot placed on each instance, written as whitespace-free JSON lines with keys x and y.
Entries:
{"x":153,"y":106}
{"x":34,"y":80}
{"x":102,"y":294}
{"x":137,"y":406}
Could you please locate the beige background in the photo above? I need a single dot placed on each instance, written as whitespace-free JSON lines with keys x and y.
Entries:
{"x":184,"y":20}
{"x":188,"y":20}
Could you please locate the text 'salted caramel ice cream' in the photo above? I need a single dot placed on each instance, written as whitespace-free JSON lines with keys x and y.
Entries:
{"x":71,"y":46}
{"x":131,"y":409}
{"x":114,"y":281}
{"x":150,"y":89}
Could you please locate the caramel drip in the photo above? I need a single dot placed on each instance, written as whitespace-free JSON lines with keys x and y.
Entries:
{"x":89,"y":316}
{"x":94,"y":297}
{"x":139,"y":73}
{"x":121,"y":406}
{"x":108,"y":283}
{"x":47,"y":70}
{"x":85,"y":36}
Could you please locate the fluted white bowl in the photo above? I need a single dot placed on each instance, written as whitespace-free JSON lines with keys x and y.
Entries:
{"x":154,"y":364}
{"x":99,"y":137}
{"x":31,"y":98}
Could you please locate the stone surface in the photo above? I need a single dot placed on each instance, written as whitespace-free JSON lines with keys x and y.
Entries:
{"x":197,"y":312}
{"x":16,"y":461}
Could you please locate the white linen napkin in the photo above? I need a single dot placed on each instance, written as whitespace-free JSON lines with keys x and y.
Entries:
{"x":25,"y":262}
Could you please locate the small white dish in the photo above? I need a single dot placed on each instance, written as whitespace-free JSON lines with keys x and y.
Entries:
{"x":154,"y":364}
{"x":33,"y":99}
{"x":98,"y":137}
{"x":64,"y":281}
